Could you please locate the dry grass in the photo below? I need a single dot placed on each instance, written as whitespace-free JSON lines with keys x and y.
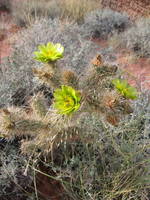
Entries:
{"x":76,"y":9}
{"x":27,"y":11}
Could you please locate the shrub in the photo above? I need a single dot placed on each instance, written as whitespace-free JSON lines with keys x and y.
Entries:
{"x":137,"y":38}
{"x":103,"y":23}
{"x":5,"y":5}
{"x":14,"y":184}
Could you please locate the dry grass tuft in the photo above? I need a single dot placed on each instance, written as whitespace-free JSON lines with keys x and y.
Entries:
{"x":77,"y":9}
{"x":27,"y":11}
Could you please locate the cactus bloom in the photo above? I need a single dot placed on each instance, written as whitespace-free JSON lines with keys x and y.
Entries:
{"x":125,"y":89}
{"x":66,"y":100}
{"x":49,"y":53}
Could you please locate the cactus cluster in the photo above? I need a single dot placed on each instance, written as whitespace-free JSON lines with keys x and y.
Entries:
{"x":94,"y":92}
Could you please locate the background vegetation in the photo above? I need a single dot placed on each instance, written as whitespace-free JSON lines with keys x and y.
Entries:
{"x":115,"y":166}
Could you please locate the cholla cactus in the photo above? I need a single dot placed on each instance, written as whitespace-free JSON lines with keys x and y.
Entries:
{"x":39,"y":106}
{"x":70,"y":78}
{"x":94,"y":93}
{"x":16,"y":122}
{"x":50,"y":72}
{"x":125,"y":89}
{"x":49,"y":53}
{"x":67,"y":100}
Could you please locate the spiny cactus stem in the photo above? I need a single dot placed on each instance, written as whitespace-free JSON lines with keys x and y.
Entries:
{"x":39,"y":106}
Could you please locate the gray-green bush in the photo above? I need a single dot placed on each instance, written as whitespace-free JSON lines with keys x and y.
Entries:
{"x":14,"y":183}
{"x":137,"y":38}
{"x":5,"y":5}
{"x":103,"y":23}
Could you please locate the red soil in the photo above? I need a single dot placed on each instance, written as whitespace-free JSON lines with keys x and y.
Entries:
{"x":5,"y":35}
{"x":134,"y":8}
{"x":138,"y":70}
{"x":5,"y":49}
{"x":47,"y":187}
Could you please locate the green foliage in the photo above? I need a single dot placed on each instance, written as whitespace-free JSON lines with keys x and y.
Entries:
{"x":49,"y":53}
{"x":67,"y":100}
{"x":125,"y":89}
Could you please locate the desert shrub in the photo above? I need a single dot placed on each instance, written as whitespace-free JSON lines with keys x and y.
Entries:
{"x":5,"y":5}
{"x":137,"y":38}
{"x":103,"y":23}
{"x":14,"y":183}
{"x":12,"y":79}
{"x":17,"y":68}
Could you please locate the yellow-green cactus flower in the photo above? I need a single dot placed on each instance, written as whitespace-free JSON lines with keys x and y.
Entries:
{"x":66,"y":100}
{"x":49,"y":53}
{"x":125,"y":89}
